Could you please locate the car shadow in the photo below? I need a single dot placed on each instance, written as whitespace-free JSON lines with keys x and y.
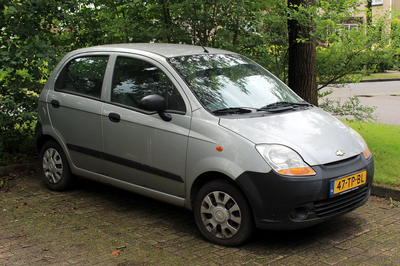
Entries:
{"x":181,"y":221}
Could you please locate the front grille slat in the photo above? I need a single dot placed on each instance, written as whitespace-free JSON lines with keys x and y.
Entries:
{"x":339,"y":200}
{"x":341,"y":207}
{"x":340,"y":203}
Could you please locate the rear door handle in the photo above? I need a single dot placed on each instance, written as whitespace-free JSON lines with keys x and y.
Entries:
{"x":114,"y":117}
{"x":55,"y":103}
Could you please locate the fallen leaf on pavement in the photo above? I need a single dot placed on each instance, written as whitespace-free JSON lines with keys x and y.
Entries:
{"x":116,"y":252}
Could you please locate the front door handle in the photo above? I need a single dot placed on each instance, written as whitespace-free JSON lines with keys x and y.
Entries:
{"x":114,"y":117}
{"x":55,"y":103}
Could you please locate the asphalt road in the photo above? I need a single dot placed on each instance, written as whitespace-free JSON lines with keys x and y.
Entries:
{"x":383,"y":95}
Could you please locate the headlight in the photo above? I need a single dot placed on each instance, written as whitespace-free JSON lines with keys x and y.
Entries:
{"x":284,"y":160}
{"x":362,"y":142}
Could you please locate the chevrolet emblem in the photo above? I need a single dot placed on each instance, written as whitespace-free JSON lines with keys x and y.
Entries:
{"x":340,"y":153}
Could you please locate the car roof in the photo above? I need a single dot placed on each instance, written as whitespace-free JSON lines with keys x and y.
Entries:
{"x":163,"y":49}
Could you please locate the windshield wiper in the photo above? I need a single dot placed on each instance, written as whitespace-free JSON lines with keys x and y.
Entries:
{"x":232,"y":110}
{"x":282,"y":106}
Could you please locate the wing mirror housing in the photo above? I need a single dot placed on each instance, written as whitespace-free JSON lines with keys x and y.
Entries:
{"x":156,"y":103}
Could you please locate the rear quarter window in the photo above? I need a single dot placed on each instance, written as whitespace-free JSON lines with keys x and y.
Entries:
{"x":83,"y":75}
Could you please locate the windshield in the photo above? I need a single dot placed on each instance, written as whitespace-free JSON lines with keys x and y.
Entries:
{"x":223,"y":81}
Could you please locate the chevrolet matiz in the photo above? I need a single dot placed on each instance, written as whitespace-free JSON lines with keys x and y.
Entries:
{"x":202,"y":128}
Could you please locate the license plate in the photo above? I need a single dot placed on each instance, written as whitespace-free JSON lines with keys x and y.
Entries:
{"x":347,"y":183}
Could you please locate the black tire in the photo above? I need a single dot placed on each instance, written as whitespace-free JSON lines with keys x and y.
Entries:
{"x":54,"y":167}
{"x":223,"y":214}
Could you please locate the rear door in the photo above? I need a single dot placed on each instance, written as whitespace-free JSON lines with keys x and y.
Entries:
{"x":140,"y":147}
{"x":75,"y":106}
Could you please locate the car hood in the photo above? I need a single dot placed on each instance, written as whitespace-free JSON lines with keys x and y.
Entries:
{"x":314,"y":134}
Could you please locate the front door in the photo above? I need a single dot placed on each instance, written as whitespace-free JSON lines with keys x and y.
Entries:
{"x":140,"y":147}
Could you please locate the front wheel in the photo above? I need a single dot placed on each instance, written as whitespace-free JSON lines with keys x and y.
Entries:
{"x":222,"y":214}
{"x":54,"y":167}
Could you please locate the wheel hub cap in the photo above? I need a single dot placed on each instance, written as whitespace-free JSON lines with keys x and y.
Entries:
{"x":52,"y":165}
{"x":221,"y":214}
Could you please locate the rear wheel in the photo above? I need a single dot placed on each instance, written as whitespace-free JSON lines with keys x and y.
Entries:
{"x":223,"y":214}
{"x":54,"y":167}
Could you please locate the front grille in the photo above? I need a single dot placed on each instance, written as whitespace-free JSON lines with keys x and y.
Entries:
{"x":340,"y":203}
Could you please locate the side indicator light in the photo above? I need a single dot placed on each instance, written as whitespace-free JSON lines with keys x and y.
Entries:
{"x":219,"y":148}
{"x":366,"y":153}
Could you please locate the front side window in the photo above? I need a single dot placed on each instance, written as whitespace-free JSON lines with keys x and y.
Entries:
{"x":134,"y":79}
{"x":229,"y":81}
{"x":83,"y":75}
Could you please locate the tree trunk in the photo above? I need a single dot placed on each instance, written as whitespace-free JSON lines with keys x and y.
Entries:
{"x":302,"y":56}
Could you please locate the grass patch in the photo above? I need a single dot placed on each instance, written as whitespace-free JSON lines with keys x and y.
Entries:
{"x":388,"y":75}
{"x":384,"y":143}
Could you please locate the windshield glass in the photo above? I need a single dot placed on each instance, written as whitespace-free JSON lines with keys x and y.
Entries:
{"x":224,"y":81}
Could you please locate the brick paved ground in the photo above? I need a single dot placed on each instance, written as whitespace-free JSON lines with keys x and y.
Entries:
{"x":86,"y":225}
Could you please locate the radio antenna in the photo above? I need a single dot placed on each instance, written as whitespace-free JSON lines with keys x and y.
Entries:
{"x":205,"y":50}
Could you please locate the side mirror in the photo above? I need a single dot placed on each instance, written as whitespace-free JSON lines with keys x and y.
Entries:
{"x":156,"y":103}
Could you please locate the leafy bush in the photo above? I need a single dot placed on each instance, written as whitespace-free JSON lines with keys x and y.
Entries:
{"x":17,"y":123}
{"x":30,"y":46}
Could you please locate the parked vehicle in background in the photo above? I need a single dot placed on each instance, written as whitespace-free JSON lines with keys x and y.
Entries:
{"x":201,"y":128}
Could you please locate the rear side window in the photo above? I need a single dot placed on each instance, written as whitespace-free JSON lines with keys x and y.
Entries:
{"x":83,"y":75}
{"x":134,"y":79}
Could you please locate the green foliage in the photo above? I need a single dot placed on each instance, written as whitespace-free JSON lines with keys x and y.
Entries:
{"x":27,"y":49}
{"x":351,"y":107}
{"x":394,"y":204}
{"x":269,"y":42}
{"x":348,"y":53}
{"x":17,"y":122}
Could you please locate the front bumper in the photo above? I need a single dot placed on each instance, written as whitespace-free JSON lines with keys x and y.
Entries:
{"x":281,"y":202}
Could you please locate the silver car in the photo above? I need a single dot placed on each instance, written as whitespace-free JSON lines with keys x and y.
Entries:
{"x":201,"y":128}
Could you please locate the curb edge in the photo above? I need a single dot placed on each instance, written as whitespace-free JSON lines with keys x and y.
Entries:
{"x":385,"y":192}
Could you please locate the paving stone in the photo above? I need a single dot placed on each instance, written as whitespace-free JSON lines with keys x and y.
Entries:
{"x":86,"y":225}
